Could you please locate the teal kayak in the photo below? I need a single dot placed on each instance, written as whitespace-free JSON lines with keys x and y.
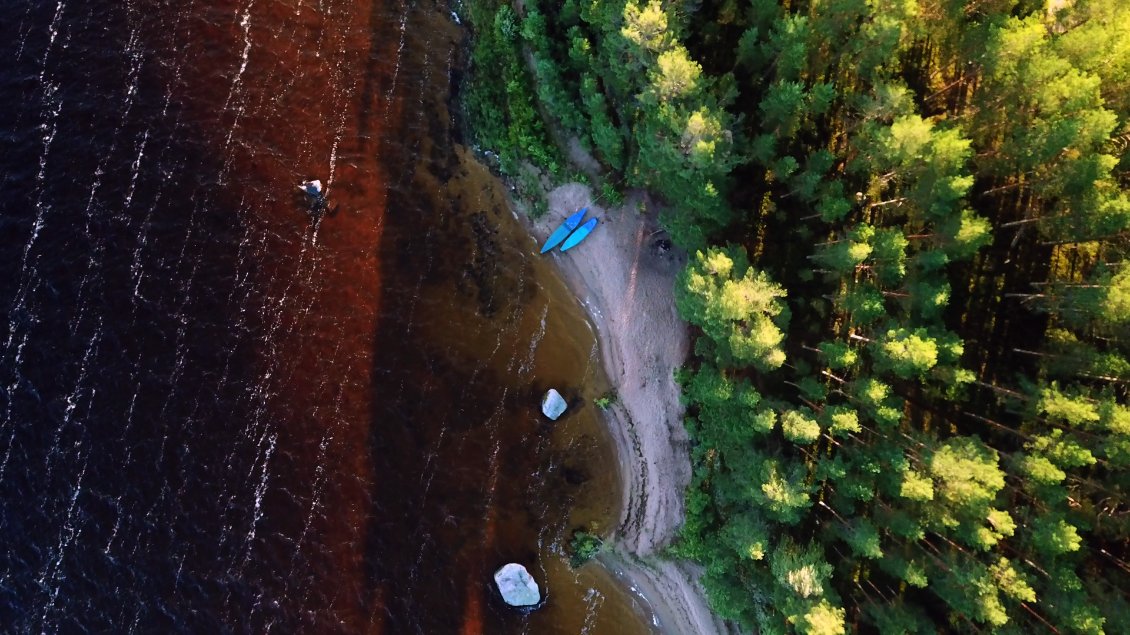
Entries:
{"x":561,"y":232}
{"x":579,"y":235}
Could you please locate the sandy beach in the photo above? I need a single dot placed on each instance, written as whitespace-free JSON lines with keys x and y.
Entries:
{"x":624,"y":276}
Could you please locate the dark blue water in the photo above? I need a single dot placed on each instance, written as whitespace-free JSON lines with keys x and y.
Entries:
{"x":220,"y":414}
{"x":137,"y":443}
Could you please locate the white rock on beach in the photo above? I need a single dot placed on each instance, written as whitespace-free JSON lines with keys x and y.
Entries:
{"x":553,"y":404}
{"x":516,"y":585}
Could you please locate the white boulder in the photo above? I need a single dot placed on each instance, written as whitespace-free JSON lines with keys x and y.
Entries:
{"x":553,"y":404}
{"x":516,"y":585}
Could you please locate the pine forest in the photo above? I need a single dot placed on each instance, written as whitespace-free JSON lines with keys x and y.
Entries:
{"x":907,"y":224}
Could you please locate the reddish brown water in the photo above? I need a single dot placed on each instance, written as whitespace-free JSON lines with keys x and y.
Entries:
{"x":219,"y":415}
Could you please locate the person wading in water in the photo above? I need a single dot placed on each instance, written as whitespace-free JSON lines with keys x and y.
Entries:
{"x":316,"y":198}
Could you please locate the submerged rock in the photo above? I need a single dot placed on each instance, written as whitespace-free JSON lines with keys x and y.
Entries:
{"x":553,"y":404}
{"x":516,"y":585}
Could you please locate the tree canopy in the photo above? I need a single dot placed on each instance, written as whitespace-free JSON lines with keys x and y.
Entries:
{"x":907,"y":225}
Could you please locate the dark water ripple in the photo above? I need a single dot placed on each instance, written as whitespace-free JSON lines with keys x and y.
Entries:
{"x":216,"y":416}
{"x":136,"y":453}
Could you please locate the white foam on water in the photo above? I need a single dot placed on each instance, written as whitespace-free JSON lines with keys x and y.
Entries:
{"x":49,"y":126}
{"x":333,"y":153}
{"x":132,"y":403}
{"x":94,"y":186}
{"x":136,"y":168}
{"x":239,"y":286}
{"x":496,"y":449}
{"x":53,"y":29}
{"x":489,"y":494}
{"x":593,"y":601}
{"x":181,"y":343}
{"x":260,"y":490}
{"x":190,"y":230}
{"x":133,"y":51}
{"x":117,"y":526}
{"x":245,"y":56}
{"x":245,"y":23}
{"x":134,"y":625}
{"x":72,"y":399}
{"x":399,"y":56}
{"x":340,"y":91}
{"x":339,"y":132}
{"x":93,"y":263}
{"x":7,"y":452}
{"x":69,"y":532}
{"x":142,"y":231}
{"x":24,"y":33}
{"x":271,"y":313}
{"x":236,"y":85}
{"x":15,"y":383}
{"x":527,"y":366}
{"x":315,"y":500}
{"x":428,"y":263}
{"x":136,"y":273}
{"x":429,"y":470}
{"x":180,"y":570}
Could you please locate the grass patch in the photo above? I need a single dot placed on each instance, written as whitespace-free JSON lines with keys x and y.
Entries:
{"x":605,"y":401}
{"x":583,"y":547}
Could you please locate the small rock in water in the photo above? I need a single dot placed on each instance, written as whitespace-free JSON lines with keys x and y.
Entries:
{"x":516,"y":585}
{"x":552,"y":405}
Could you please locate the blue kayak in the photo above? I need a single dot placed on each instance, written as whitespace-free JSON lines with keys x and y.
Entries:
{"x":579,"y":235}
{"x":561,"y":232}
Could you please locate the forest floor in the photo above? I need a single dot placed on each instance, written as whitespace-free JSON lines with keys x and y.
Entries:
{"x":624,"y":276}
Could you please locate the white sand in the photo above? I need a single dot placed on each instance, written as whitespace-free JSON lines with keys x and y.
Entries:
{"x":627,"y":284}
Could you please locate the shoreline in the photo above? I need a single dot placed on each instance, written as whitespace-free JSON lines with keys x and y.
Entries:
{"x":625,"y":278}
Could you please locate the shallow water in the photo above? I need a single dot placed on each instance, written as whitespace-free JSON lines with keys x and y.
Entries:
{"x":222,"y":415}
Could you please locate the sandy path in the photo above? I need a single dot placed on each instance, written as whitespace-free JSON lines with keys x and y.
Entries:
{"x":626,"y":281}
